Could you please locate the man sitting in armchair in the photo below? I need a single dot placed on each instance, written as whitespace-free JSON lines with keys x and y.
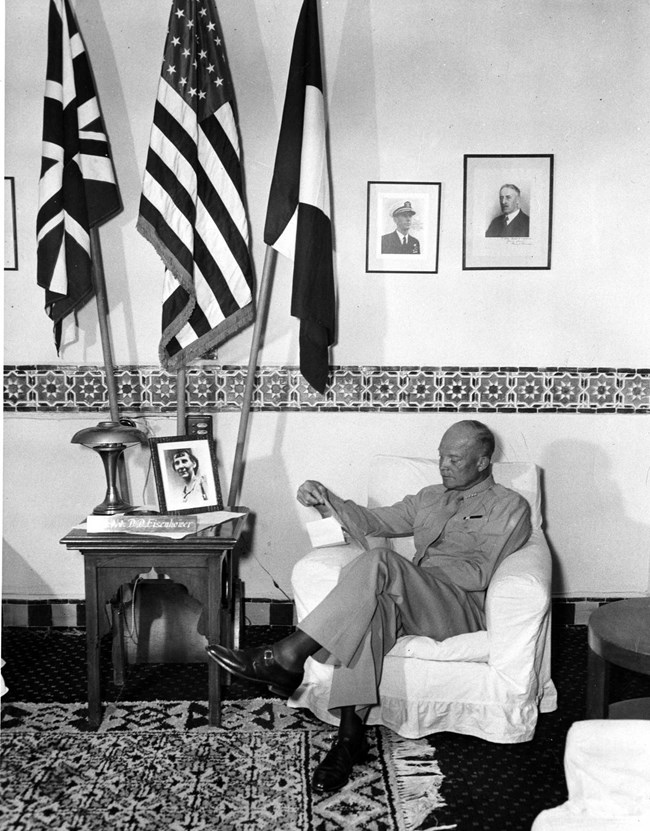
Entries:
{"x":462,"y":529}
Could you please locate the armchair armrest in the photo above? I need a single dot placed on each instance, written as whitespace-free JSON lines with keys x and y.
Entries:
{"x":518,"y":600}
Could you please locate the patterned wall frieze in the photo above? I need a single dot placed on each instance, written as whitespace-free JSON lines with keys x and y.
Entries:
{"x":220,"y":388}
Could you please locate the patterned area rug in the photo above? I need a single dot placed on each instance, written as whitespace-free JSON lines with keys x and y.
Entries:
{"x":154,"y":765}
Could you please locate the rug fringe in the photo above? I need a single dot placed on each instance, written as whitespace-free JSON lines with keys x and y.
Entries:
{"x":417,"y":780}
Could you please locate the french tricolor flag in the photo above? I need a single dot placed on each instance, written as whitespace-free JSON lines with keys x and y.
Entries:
{"x":298,"y":222}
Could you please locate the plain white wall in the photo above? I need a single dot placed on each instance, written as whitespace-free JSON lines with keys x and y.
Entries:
{"x":408,"y":95}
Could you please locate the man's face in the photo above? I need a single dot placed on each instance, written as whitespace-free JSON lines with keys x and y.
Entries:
{"x":183,"y":465}
{"x":509,"y":199}
{"x":403,"y":222}
{"x":460,"y":460}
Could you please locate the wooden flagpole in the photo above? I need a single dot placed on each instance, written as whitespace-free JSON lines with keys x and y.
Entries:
{"x":99,"y":283}
{"x":180,"y":401}
{"x":258,"y":330}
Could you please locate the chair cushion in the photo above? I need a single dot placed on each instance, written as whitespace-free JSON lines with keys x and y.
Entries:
{"x":472,"y":646}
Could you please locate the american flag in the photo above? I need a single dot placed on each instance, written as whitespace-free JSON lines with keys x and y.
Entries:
{"x":77,"y":188}
{"x":192,"y":207}
{"x":298,"y":221}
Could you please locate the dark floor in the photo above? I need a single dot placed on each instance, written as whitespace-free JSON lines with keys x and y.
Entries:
{"x":488,"y":787}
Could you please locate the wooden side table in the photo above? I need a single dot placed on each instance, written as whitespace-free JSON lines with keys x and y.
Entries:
{"x":205,"y":563}
{"x":619,"y":634}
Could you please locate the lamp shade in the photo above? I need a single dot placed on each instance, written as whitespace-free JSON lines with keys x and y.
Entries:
{"x":109,"y":433}
{"x":109,"y":439}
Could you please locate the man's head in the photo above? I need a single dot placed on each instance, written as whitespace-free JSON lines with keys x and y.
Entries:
{"x":509,"y":197}
{"x":464,"y":455}
{"x":402,"y":217}
{"x":185,"y":463}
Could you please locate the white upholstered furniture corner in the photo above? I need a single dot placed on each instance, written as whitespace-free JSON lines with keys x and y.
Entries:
{"x":489,"y":684}
{"x":607,"y":769}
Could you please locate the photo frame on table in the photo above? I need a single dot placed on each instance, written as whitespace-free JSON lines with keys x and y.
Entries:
{"x":186,"y":475}
{"x":389,"y":205}
{"x":488,"y":241}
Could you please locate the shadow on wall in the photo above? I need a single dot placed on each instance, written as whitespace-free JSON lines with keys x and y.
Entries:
{"x":582,"y":503}
{"x":100,"y":44}
{"x":275,"y":522}
{"x":18,"y":577}
{"x":356,"y":49}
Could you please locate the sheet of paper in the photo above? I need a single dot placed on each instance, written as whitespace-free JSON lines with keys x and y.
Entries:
{"x":204,"y":520}
{"x":324,"y":532}
{"x":210,"y":518}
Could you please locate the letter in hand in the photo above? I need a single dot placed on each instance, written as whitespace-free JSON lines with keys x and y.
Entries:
{"x":314,"y":495}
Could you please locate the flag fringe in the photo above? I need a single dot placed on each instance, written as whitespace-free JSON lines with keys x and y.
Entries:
{"x":228,"y":327}
{"x":215,"y":337}
{"x":171,"y":263}
{"x":417,"y":779}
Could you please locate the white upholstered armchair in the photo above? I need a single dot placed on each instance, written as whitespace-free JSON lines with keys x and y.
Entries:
{"x":488,"y":684}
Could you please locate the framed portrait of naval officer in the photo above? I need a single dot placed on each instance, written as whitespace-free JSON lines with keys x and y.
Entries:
{"x":507,"y":212}
{"x":403,"y":227}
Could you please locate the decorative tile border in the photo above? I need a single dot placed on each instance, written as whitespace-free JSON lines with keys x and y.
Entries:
{"x":218,"y":388}
{"x":257,"y":612}
{"x":72,"y":613}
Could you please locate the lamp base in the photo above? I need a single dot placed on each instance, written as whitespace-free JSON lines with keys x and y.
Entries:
{"x":112,"y":506}
{"x":113,"y":502}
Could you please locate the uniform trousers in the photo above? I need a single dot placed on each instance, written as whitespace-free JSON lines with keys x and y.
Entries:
{"x":379,"y":597}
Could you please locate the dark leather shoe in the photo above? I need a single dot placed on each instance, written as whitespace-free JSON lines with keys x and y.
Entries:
{"x":257,"y":665}
{"x":335,"y":769}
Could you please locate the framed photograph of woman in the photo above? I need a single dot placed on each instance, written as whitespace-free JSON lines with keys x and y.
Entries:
{"x":403,"y":227}
{"x":185,"y":471}
{"x":507,"y":210}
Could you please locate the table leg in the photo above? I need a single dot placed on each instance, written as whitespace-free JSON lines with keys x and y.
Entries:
{"x":92,"y":645}
{"x":598,"y":673}
{"x":214,"y":637}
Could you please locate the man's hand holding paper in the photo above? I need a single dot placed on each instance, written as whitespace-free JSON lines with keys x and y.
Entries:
{"x":314,"y":494}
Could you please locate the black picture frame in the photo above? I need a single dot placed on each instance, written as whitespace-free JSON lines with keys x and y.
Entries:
{"x":420,"y":256}
{"x":11,"y":236}
{"x":174,"y":497}
{"x":487,"y":243}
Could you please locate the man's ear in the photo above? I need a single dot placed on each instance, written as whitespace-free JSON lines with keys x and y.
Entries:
{"x":483,"y":462}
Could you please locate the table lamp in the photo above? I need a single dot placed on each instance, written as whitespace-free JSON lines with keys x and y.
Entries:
{"x":110,"y":439}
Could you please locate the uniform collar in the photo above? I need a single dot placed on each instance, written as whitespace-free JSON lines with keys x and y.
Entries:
{"x":483,"y":486}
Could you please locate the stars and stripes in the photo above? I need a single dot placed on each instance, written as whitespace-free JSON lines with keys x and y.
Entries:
{"x":298,"y":221}
{"x":192,"y":207}
{"x":77,"y":188}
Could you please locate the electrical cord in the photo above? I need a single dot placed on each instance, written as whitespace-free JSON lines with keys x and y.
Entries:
{"x":132,"y":631}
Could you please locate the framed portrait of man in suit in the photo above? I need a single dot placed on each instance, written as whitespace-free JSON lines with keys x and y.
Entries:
{"x":507,"y":212}
{"x":403,"y":227}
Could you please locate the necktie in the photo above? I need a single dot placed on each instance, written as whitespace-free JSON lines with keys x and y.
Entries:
{"x":443,"y":514}
{"x":404,"y":241}
{"x":454,"y":498}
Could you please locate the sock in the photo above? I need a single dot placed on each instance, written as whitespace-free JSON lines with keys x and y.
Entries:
{"x":292,"y":652}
